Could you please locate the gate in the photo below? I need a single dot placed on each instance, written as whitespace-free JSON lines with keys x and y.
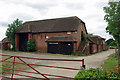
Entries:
{"x":21,"y":58}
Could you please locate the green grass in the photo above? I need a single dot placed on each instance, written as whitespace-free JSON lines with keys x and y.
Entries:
{"x":10,"y":65}
{"x":110,"y":64}
{"x":112,"y":56}
{"x":61,"y":55}
{"x":8,"y":51}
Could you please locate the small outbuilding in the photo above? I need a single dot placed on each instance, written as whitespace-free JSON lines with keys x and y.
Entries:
{"x":97,"y":44}
{"x":6,"y":44}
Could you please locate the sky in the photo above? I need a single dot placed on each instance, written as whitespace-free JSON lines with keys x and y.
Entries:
{"x":89,"y":11}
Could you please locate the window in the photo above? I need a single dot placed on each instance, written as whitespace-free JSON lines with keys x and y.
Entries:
{"x":68,"y":32}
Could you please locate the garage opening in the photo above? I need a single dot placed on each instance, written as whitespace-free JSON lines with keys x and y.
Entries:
{"x":61,"y":48}
{"x":23,"y":38}
{"x":61,"y":45}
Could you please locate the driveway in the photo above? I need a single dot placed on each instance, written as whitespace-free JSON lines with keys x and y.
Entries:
{"x":92,"y":61}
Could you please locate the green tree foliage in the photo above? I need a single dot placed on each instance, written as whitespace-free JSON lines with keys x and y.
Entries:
{"x":112,"y":17}
{"x":10,"y":33}
{"x":90,"y":34}
{"x":111,"y":42}
{"x":31,"y":45}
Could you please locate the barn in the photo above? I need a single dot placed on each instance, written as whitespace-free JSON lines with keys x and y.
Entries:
{"x":59,"y":35}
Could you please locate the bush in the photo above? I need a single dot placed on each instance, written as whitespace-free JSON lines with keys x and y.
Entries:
{"x":73,"y":53}
{"x":94,"y":74}
{"x":105,"y":50}
{"x":31,"y":45}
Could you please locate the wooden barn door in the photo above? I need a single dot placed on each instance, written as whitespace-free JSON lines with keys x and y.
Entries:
{"x":66,"y":48}
{"x":53,"y":48}
{"x":23,"y":38}
{"x":61,"y":48}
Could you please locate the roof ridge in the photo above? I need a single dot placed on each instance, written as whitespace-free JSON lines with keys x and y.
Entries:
{"x":51,"y":25}
{"x":52,"y":19}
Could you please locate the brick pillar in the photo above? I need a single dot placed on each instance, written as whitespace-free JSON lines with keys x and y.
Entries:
{"x":74,"y":46}
{"x":17,"y":42}
{"x":29,"y":36}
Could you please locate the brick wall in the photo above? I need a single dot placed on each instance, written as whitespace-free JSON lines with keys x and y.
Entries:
{"x":40,"y":38}
{"x":81,"y":27}
{"x":94,"y":48}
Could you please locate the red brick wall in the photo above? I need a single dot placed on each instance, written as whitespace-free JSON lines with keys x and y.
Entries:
{"x":78,"y":34}
{"x":105,"y":46}
{"x":40,"y":39}
{"x":94,"y":48}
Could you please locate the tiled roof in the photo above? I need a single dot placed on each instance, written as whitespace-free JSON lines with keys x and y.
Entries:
{"x":5,"y":40}
{"x":96,"y":39}
{"x":51,"y":25}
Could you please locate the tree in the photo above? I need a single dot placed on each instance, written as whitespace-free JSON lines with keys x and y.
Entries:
{"x":111,"y":42}
{"x":90,"y":34}
{"x":112,"y":17}
{"x":10,"y":33}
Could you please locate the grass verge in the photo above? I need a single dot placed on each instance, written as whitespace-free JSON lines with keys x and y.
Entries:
{"x":110,"y":64}
{"x":61,"y":55}
{"x":16,"y":65}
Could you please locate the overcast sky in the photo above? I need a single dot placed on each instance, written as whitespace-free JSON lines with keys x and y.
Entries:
{"x":90,"y":11}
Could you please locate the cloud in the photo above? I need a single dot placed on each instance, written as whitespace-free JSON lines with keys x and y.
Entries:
{"x":75,"y":6}
{"x":22,"y":16}
{"x":2,"y":32}
{"x":3,"y":23}
{"x":101,"y":4}
{"x":92,"y":16}
{"x":39,"y":4}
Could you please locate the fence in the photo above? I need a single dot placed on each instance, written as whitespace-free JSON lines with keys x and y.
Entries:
{"x":21,"y":58}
